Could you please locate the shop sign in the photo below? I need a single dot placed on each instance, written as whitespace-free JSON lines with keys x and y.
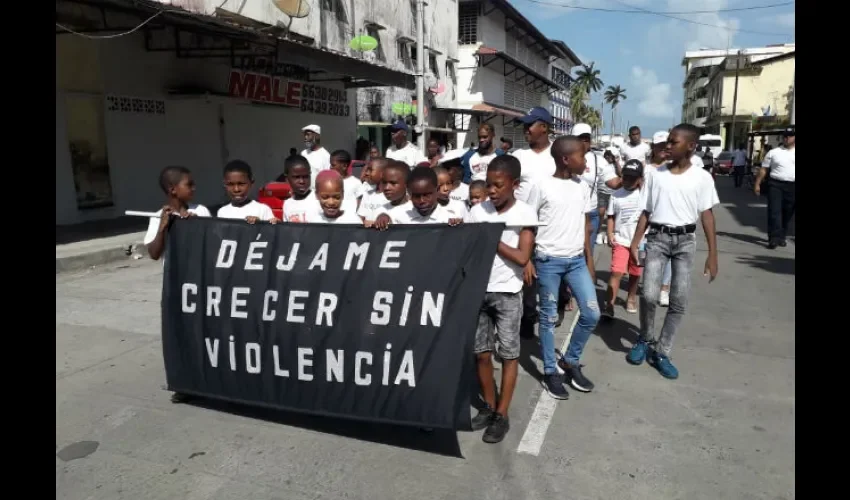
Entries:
{"x":308,"y":97}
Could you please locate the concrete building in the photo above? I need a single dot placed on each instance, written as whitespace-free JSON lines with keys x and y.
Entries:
{"x":395,"y":30}
{"x":764,"y":95}
{"x":698,"y":65}
{"x":559,"y":100}
{"x":504,"y":69}
{"x":199,"y":83}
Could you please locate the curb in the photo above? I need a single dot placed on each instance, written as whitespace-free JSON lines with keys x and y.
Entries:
{"x":99,"y":257}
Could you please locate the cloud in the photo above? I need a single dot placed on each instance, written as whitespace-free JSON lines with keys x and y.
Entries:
{"x":654,"y":98}
{"x":784,"y":20}
{"x":713,"y":32}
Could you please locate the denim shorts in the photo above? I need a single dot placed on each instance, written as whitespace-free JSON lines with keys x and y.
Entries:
{"x":500,"y":313}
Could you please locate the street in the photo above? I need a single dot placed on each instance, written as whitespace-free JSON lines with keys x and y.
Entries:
{"x":724,"y":429}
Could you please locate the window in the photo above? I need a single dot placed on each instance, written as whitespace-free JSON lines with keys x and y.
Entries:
{"x":336,"y":7}
{"x":373,"y":31}
{"x":403,"y":47}
{"x":87,"y":142}
{"x":450,"y":70}
{"x":468,"y":23}
{"x":432,"y":64}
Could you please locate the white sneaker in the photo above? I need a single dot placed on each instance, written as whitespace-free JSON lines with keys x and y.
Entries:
{"x":664,"y":299}
{"x":600,"y":239}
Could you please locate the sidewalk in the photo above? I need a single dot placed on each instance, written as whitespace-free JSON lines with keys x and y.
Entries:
{"x":95,"y":243}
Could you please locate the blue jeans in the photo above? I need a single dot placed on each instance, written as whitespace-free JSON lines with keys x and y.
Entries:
{"x":668,"y":273}
{"x":594,"y":220}
{"x":551,"y":272}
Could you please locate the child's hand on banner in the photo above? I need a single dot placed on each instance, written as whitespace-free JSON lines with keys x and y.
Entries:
{"x":455,"y":222}
{"x":382,"y":222}
{"x":252,"y":219}
{"x":274,"y":220}
{"x":165,"y":217}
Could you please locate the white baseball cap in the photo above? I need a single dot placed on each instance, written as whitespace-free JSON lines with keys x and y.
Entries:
{"x":581,"y":128}
{"x":312,"y":128}
{"x":660,"y":137}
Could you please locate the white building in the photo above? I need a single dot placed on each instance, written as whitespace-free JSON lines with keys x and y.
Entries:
{"x":395,"y":30}
{"x":559,"y":100}
{"x":698,"y":66}
{"x":504,"y":69}
{"x":199,"y":83}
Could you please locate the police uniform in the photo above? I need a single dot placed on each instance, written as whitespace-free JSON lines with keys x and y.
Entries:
{"x":782,"y":191}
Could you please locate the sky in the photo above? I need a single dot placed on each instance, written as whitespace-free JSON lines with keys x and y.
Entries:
{"x":643,"y":53}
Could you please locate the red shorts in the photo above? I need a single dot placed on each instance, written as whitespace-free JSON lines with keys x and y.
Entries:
{"x":621,"y":258}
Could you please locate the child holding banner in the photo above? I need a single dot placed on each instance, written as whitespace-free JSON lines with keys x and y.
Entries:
{"x":238,"y":181}
{"x":178,"y":185}
{"x":502,"y":307}
{"x":394,"y":184}
{"x":341,"y":162}
{"x":445,"y":185}
{"x":303,"y":203}
{"x":422,"y":207}
{"x":330,"y":190}
{"x":372,"y":198}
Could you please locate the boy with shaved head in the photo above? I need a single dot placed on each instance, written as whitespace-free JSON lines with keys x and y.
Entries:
{"x":330,"y":190}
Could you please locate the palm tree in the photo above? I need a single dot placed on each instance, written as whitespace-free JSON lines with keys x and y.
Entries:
{"x":588,"y":77}
{"x":586,"y":82}
{"x":614,"y":94}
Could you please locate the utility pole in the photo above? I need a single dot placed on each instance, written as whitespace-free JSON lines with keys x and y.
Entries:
{"x":735,"y":101}
{"x":420,"y":73}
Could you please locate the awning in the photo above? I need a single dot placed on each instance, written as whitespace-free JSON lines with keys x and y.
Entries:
{"x":489,"y":57}
{"x":485,"y":111}
{"x":273,"y":40}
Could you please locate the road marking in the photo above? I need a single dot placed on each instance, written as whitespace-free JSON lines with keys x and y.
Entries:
{"x":535,"y":432}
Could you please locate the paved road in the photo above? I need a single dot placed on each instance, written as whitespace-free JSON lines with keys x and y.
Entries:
{"x":724,"y":430}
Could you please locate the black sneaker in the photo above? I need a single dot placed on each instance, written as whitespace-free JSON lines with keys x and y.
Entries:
{"x":555,"y":386}
{"x":179,"y":397}
{"x":499,"y":426}
{"x":482,"y":419}
{"x":782,"y":243}
{"x":576,"y":379}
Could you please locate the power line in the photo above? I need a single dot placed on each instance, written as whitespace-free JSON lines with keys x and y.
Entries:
{"x":639,"y":10}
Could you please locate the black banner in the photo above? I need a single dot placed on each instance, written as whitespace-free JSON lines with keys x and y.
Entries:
{"x":327,"y":319}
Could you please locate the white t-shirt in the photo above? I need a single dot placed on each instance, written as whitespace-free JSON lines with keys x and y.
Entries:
{"x":478,"y":165}
{"x":364,"y":188}
{"x":590,"y":176}
{"x":347,"y":217}
{"x":696,"y":161}
{"x":407,"y":214}
{"x":460,"y":193}
{"x":537,"y":168}
{"x":409,"y":154}
{"x":351,"y":187}
{"x":782,"y":164}
{"x":251,"y":209}
{"x":301,"y":210}
{"x":153,"y":225}
{"x":606,"y":173}
{"x":505,"y":276}
{"x":678,"y":200}
{"x":625,"y":206}
{"x":639,"y":152}
{"x":457,"y":209}
{"x":371,"y":201}
{"x":319,"y":160}
{"x":562,"y":207}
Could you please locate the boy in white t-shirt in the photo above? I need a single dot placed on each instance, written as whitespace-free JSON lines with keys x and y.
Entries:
{"x":501,"y":309}
{"x":341,"y":162}
{"x":238,"y":182}
{"x":422,"y":207}
{"x":179,"y":186}
{"x":373,"y":196}
{"x":445,"y":184}
{"x":563,"y":255}
{"x":303,"y":203}
{"x":330,"y":190}
{"x":623,"y":213}
{"x":676,"y":196}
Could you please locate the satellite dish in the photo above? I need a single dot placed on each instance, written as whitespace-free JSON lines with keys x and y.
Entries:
{"x":293,"y":8}
{"x":439,"y":88}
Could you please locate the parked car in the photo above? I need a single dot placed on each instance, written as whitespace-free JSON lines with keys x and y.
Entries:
{"x":723,"y":163}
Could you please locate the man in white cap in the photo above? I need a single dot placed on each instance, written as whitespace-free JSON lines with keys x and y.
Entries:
{"x":317,"y":156}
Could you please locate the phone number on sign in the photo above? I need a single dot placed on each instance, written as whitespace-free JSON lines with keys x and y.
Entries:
{"x":325,"y":108}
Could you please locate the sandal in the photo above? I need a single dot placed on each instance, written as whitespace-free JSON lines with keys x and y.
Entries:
{"x":631,"y":306}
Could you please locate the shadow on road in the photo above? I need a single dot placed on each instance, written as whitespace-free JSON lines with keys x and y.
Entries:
{"x":745,"y":238}
{"x":769,"y":263}
{"x":439,"y":441}
{"x":748,"y":209}
{"x":618,"y":334}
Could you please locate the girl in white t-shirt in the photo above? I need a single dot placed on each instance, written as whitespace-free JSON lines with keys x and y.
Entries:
{"x":179,"y":186}
{"x":330,"y":190}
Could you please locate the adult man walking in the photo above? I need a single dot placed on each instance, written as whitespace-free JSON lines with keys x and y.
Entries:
{"x":316,"y":154}
{"x":739,"y":165}
{"x":402,"y":149}
{"x":782,"y":190}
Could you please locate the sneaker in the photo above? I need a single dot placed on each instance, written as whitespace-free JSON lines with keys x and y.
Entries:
{"x":499,"y":426}
{"x":482,"y":419}
{"x":664,"y":299}
{"x":554,"y":385}
{"x":179,"y":397}
{"x":662,"y":363}
{"x":575,"y":377}
{"x":637,"y":354}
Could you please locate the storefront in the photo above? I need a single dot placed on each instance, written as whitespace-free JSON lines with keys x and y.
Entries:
{"x":185,"y":90}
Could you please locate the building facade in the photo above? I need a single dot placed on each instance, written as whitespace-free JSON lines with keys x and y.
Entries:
{"x":504,"y":69}
{"x":765,"y":89}
{"x":699,"y":64}
{"x":559,"y":100}
{"x":198,"y":83}
{"x":395,"y":29}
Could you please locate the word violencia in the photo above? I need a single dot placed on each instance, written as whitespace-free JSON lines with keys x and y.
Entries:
{"x":309,"y":368}
{"x":291,"y":305}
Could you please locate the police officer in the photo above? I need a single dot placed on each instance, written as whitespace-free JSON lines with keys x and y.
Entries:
{"x":782,"y":191}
